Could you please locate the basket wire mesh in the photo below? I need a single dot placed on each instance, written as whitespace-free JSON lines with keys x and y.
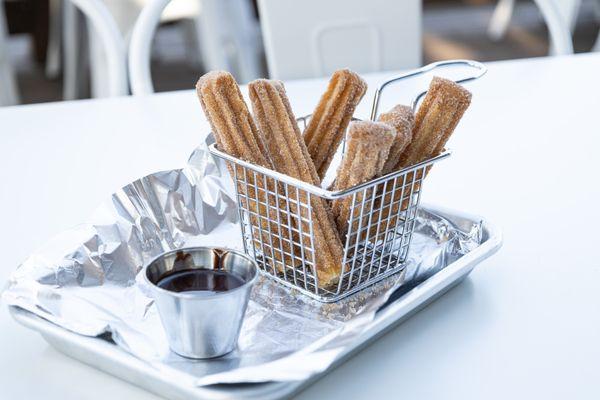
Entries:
{"x":277,"y":220}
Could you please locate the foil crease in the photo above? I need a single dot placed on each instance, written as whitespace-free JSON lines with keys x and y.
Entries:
{"x":86,"y":279}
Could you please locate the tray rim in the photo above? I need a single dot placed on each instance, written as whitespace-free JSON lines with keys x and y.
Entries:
{"x":395,"y":312}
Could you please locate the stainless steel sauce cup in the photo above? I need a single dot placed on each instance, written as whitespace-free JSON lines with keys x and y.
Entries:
{"x":202,"y":324}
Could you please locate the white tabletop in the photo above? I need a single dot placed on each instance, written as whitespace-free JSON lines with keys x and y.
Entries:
{"x":524,"y":325}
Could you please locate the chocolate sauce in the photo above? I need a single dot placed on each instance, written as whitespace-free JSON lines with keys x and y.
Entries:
{"x":205,"y":280}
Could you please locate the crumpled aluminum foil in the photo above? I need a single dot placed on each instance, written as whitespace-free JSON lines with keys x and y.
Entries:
{"x":86,"y":280}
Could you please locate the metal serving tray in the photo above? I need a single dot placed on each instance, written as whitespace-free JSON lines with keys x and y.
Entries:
{"x":109,"y":358}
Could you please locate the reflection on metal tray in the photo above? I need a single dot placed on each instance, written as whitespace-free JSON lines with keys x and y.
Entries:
{"x":107,"y":357}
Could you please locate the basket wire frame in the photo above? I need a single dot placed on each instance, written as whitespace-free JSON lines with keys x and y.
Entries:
{"x":276,"y":216}
{"x":277,"y":222}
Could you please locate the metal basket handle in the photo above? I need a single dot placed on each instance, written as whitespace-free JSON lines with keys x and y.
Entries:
{"x":479,"y":67}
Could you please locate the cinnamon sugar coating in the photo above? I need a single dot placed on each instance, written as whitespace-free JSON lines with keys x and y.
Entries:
{"x":402,"y":119}
{"x":438,"y":115}
{"x":290,"y":156}
{"x":367,"y":148}
{"x":331,"y":117}
{"x":237,"y":135}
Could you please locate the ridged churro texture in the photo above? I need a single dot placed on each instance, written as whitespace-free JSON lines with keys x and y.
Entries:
{"x":402,"y":119}
{"x":230,"y":120}
{"x":386,"y":207}
{"x":331,"y":117}
{"x":236,"y":134}
{"x":438,"y":115}
{"x":276,"y":120}
{"x":367,"y":148}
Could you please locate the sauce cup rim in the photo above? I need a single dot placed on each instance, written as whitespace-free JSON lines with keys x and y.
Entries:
{"x":188,"y":295}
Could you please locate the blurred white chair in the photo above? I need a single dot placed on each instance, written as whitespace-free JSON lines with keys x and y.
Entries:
{"x":79,"y":47}
{"x":109,"y":77}
{"x":9,"y":94}
{"x":185,"y":12}
{"x":126,"y":12}
{"x":53,"y":62}
{"x":560,"y":17}
{"x":228,"y":38}
{"x":312,"y":38}
{"x":597,"y":13}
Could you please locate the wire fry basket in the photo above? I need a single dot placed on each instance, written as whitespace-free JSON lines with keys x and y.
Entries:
{"x":276,"y":215}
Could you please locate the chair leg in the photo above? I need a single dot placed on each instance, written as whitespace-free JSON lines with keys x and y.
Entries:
{"x":597,"y":12}
{"x":229,"y":37}
{"x":500,"y":19}
{"x":73,"y":60}
{"x":246,"y":37}
{"x":212,"y":31}
{"x":54,"y":39}
{"x":560,"y":33}
{"x":191,"y":32}
{"x":597,"y":44}
{"x":98,"y":65}
{"x":569,"y":11}
{"x":597,"y":9}
{"x":9,"y":93}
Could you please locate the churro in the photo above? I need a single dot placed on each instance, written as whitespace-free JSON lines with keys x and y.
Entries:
{"x":367,"y":148}
{"x":230,"y":120}
{"x":276,"y":120}
{"x":236,"y":134}
{"x":402,"y":119}
{"x":438,"y":115}
{"x":331,"y":117}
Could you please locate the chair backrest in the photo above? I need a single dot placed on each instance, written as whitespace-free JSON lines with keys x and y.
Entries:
{"x":312,"y":38}
{"x":112,"y":44}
